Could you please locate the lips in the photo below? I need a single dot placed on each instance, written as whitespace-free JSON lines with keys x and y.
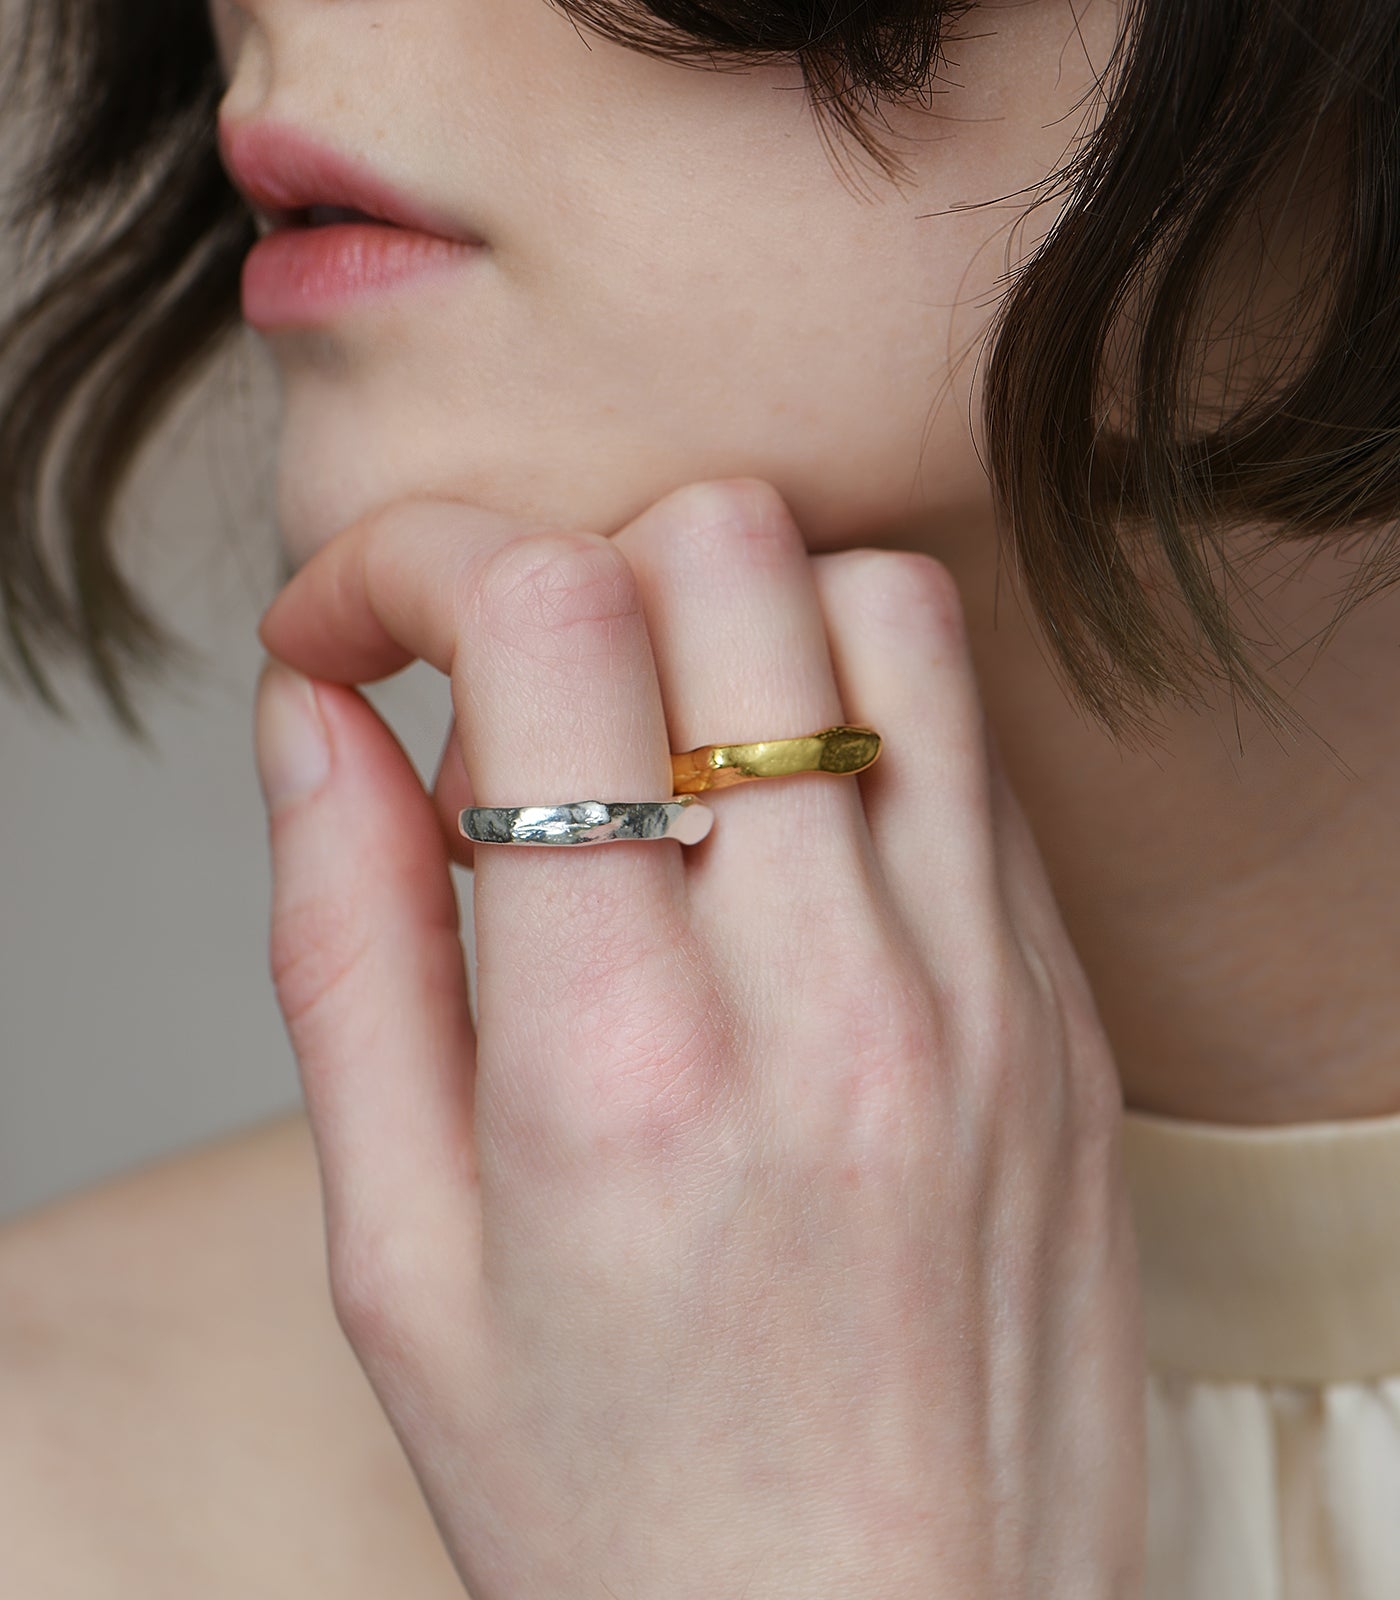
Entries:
{"x":290,"y":178}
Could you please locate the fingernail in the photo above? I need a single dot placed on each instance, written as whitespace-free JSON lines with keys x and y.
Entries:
{"x":293,"y":752}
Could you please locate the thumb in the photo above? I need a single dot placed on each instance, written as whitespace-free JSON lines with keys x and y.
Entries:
{"x":370,"y":974}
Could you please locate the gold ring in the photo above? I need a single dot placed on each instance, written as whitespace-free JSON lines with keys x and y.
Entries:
{"x":717,"y":766}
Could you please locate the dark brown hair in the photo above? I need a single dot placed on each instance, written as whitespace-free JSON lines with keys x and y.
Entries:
{"x":1114,"y":487}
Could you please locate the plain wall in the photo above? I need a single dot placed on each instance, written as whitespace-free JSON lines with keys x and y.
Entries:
{"x":137,"y":1016}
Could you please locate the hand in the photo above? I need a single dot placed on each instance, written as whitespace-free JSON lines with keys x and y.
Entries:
{"x":766,"y":1237}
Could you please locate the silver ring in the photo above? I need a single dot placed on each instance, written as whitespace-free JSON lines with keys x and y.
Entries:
{"x":589,"y":822}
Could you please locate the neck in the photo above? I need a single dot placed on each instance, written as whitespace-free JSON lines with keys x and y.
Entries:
{"x":1237,"y":910}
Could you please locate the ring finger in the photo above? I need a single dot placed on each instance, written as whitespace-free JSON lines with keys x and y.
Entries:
{"x":741,"y":653}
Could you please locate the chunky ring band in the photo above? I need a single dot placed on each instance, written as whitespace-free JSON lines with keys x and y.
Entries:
{"x":588,"y":822}
{"x":840,"y":749}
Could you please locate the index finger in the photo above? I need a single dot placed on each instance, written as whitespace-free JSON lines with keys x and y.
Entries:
{"x":388,"y":590}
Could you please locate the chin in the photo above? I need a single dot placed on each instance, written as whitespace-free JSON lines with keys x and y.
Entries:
{"x":306,"y":520}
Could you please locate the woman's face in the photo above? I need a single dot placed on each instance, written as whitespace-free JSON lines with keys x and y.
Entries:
{"x":682,"y":279}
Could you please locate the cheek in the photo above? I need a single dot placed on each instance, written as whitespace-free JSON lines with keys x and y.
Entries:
{"x":579,"y":402}
{"x":788,"y":331}
{"x":843,"y":374}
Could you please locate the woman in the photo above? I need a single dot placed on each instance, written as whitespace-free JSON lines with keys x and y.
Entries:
{"x":766,"y":1229}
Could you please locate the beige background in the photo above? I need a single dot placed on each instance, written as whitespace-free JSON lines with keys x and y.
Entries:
{"x":137,"y":1016}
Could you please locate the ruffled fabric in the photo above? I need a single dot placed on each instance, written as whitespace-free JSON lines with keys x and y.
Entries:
{"x":1271,"y":1281}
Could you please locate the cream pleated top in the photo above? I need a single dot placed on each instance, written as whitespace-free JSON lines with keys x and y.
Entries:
{"x":1271,"y":1278}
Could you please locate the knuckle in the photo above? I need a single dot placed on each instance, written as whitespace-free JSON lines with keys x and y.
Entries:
{"x":744,"y":515}
{"x":652,"y":1048}
{"x":427,"y":515}
{"x":1026,"y":1060}
{"x":1005,"y":1023}
{"x":556,"y":594}
{"x":392,"y":519}
{"x":1096,"y":1092}
{"x":1094,"y":1082}
{"x":656,"y":1082}
{"x":312,"y":951}
{"x":373,"y":1284}
{"x":881,"y":1022}
{"x":903,"y":589}
{"x":381,"y":535}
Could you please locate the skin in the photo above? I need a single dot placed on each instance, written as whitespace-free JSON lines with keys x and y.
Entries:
{"x":816,"y":1122}
{"x":840,"y":1068}
{"x":615,"y":344}
{"x":182,"y":1413}
{"x":1182,"y":875}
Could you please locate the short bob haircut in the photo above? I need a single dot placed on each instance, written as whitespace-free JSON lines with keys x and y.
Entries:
{"x":1207,"y":106}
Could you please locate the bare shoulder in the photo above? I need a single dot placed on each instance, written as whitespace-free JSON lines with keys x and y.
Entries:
{"x":181,"y":1411}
